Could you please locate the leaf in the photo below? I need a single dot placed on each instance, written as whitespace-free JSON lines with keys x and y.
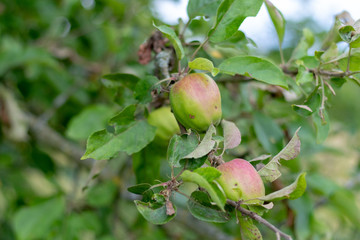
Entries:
{"x":257,"y":68}
{"x":194,"y":163}
{"x":268,"y":133}
{"x":270,"y":171}
{"x":143,"y":88}
{"x":278,"y":20}
{"x":204,"y":64}
{"x":154,"y":215}
{"x":293,"y":191}
{"x":298,"y":108}
{"x":116,"y":80}
{"x":146,"y":163}
{"x":171,"y":35}
{"x":35,"y":222}
{"x":322,"y":128}
{"x":347,"y":205}
{"x":260,"y":158}
{"x":125,"y":117}
{"x":202,"y":8}
{"x":248,"y":229}
{"x":200,"y":207}
{"x":346,"y":33}
{"x":204,"y":177}
{"x":101,"y":195}
{"x":232,"y":135}
{"x":230,"y":15}
{"x":306,"y":41}
{"x":103,"y":145}
{"x":139,"y":188}
{"x":90,"y":119}
{"x":312,"y":102}
{"x":179,"y":147}
{"x":205,"y":146}
{"x":304,"y":76}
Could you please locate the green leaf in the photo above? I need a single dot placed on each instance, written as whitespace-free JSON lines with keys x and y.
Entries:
{"x":204,"y":64}
{"x":322,"y":127}
{"x":205,"y":146}
{"x":248,"y":229}
{"x":179,"y":147}
{"x":204,"y":177}
{"x":303,"y":46}
{"x":302,"y":110}
{"x":139,"y":188}
{"x":311,"y":104}
{"x":346,"y":33}
{"x":331,"y":53}
{"x":257,"y":68}
{"x":304,"y":76}
{"x":194,"y":163}
{"x":116,"y":80}
{"x":103,"y":145}
{"x":278,"y":20}
{"x":232,"y":135}
{"x":230,"y":15}
{"x":143,"y":88}
{"x":125,"y":117}
{"x":293,"y":191}
{"x":101,"y":195}
{"x":346,"y":203}
{"x":90,"y":119}
{"x":270,"y":171}
{"x":171,"y":35}
{"x":154,"y":215}
{"x":268,"y":132}
{"x":200,"y":207}
{"x":202,"y":8}
{"x":78,"y":224}
{"x":146,"y":163}
{"x":35,"y":222}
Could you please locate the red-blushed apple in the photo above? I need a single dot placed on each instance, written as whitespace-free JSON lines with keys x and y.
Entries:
{"x":240,"y":181}
{"x":196,"y":101}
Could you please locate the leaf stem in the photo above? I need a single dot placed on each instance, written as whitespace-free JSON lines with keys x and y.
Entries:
{"x":200,"y":46}
{"x":281,"y":54}
{"x":259,"y":219}
{"x":348,"y":62}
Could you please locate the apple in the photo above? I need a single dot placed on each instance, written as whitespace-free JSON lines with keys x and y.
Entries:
{"x":166,"y":124}
{"x":196,"y":101}
{"x":241,"y":181}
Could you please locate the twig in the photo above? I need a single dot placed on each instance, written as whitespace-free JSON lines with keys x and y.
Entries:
{"x":323,"y":99}
{"x":181,"y":35}
{"x":258,"y":219}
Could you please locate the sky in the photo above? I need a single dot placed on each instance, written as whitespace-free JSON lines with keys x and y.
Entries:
{"x":322,"y":11}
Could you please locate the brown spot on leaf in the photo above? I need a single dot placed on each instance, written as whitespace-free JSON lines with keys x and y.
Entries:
{"x":215,"y":107}
{"x":191,"y":116}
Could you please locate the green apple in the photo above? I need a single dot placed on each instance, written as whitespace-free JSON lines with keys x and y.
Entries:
{"x":166,"y":124}
{"x":196,"y":101}
{"x":241,"y":181}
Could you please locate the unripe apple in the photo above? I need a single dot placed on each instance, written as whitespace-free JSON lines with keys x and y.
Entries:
{"x":196,"y":101}
{"x":241,"y":181}
{"x":166,"y":124}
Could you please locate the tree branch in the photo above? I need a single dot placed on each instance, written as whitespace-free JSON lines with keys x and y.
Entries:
{"x":258,"y":219}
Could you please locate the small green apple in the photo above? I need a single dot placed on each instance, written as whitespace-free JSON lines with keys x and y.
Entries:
{"x":166,"y":124}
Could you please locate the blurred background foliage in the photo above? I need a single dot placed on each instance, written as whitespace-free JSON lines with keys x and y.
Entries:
{"x":52,"y":57}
